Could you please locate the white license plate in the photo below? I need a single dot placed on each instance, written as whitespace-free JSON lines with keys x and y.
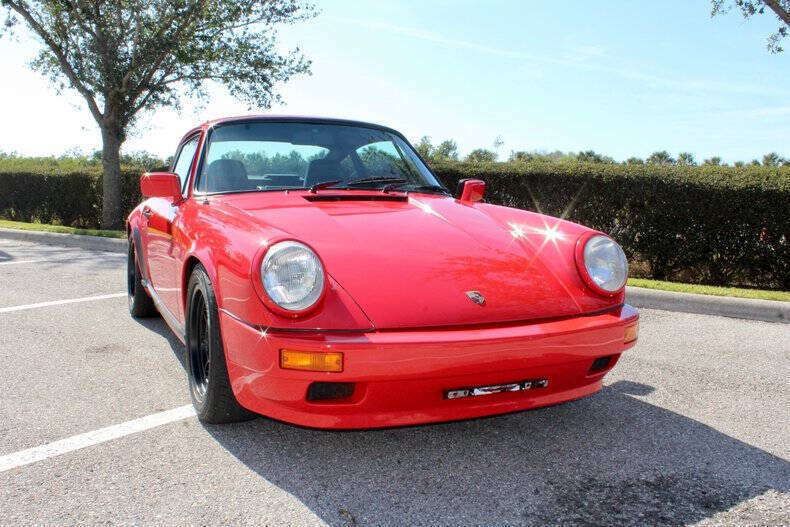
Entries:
{"x":496,"y":388}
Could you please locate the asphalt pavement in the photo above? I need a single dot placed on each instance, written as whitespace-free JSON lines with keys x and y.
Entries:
{"x":692,"y":426}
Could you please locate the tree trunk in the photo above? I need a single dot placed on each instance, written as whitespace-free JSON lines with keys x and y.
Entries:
{"x":112,"y":206}
{"x":779,"y":10}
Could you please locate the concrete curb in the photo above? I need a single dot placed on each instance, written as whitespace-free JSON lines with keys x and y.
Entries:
{"x":92,"y":243}
{"x":768,"y":310}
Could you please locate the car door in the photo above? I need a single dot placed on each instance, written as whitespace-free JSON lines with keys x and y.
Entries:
{"x":164,"y":243}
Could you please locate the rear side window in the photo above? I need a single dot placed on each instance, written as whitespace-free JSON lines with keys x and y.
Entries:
{"x":184,"y":160}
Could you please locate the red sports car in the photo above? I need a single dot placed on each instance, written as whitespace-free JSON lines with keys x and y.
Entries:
{"x":320,"y":274}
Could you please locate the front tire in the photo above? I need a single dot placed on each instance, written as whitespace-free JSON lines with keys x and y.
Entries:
{"x":207,"y":371}
{"x":140,"y":304}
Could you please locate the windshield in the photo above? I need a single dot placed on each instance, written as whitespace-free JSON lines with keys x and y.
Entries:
{"x":261,"y":156}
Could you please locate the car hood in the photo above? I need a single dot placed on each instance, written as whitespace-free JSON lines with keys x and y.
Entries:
{"x":416,"y":261}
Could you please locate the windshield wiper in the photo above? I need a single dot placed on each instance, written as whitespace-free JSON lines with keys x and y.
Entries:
{"x":366,"y":180}
{"x":361,"y":182}
{"x":416,"y":188}
{"x":324,"y":184}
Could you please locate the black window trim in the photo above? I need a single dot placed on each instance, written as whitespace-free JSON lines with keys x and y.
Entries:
{"x":185,"y":183}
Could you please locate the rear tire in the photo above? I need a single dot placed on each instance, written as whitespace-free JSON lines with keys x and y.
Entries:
{"x":140,"y":304}
{"x":207,"y":371}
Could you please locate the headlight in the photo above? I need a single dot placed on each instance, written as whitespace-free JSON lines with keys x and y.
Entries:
{"x":605,"y":263}
{"x":292,"y":275}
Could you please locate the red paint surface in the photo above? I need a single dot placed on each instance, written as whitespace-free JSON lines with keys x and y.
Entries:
{"x":395,"y":301}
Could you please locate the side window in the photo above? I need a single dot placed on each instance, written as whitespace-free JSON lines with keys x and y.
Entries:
{"x":184,"y":161}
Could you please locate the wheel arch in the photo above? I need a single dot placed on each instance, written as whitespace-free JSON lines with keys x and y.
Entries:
{"x":190,"y":262}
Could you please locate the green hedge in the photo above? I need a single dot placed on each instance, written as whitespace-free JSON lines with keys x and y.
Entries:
{"x":710,"y":225}
{"x":73,"y":199}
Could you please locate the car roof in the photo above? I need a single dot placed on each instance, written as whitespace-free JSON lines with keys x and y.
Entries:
{"x":286,"y":119}
{"x":296,"y":119}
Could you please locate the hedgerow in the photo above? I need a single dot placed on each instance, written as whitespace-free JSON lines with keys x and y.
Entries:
{"x":699,"y":224}
{"x":70,"y":198}
{"x":706,"y":224}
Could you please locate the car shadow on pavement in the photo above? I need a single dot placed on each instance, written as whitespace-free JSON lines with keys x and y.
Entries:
{"x":158,"y":326}
{"x":607,"y":459}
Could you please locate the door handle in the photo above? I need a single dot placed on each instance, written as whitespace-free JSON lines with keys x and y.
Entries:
{"x":147,"y":212}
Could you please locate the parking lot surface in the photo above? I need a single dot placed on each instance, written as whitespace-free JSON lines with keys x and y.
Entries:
{"x":692,"y":426}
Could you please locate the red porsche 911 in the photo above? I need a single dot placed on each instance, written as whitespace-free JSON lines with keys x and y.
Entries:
{"x":320,"y":274}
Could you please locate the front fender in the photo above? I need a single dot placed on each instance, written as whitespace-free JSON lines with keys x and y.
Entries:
{"x":225,"y":244}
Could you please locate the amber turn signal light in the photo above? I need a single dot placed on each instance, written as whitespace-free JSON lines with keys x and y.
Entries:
{"x":311,"y":360}
{"x":631,"y":332}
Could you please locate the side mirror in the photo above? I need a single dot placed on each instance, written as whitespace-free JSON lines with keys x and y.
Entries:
{"x":161,"y":185}
{"x":470,"y":190}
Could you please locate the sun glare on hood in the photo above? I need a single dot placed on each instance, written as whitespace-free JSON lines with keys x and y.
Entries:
{"x":549,"y":233}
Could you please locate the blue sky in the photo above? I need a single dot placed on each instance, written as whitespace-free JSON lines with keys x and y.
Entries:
{"x":622,"y":78}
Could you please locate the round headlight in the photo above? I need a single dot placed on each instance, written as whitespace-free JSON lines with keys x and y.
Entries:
{"x":292,"y":275}
{"x":605,"y":263}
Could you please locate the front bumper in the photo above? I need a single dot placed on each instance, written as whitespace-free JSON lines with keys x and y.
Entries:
{"x":401,"y":377}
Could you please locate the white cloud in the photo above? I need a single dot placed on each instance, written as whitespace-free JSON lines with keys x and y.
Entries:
{"x":576,"y":56}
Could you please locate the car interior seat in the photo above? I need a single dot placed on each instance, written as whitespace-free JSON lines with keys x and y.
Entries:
{"x":322,"y":170}
{"x":226,"y":175}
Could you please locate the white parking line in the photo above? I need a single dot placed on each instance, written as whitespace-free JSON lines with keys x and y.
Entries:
{"x":59,"y":302}
{"x":70,"y":444}
{"x":39,"y":260}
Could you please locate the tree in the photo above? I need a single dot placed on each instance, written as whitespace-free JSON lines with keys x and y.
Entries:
{"x":660,"y":158}
{"x":521,"y":155}
{"x":424,"y":147}
{"x":591,"y":157}
{"x":749,"y":8}
{"x":713,"y":161}
{"x":686,"y":158}
{"x":634,"y":161}
{"x":446,"y":151}
{"x":128,"y":56}
{"x":481,"y":155}
{"x":772,"y":160}
{"x":497,"y":144}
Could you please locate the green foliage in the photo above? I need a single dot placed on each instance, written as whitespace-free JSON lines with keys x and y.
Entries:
{"x":759,"y":294}
{"x":259,"y":163}
{"x":128,"y":56}
{"x":749,"y":8}
{"x":590,"y":156}
{"x":123,"y":57}
{"x":772,"y":160}
{"x":424,"y":147}
{"x":77,"y":162}
{"x":706,"y":224}
{"x":686,"y":158}
{"x":61,"y":196}
{"x":697,"y":224}
{"x":446,"y":151}
{"x":46,"y":227}
{"x":660,"y":158}
{"x":535,"y":155}
{"x":481,"y":155}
